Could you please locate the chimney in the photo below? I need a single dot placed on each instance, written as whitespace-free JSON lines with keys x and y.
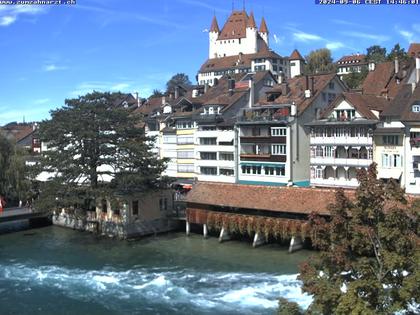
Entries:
{"x":137,"y":98}
{"x":251,"y":92}
{"x":293,"y":110}
{"x":307,"y":90}
{"x":397,"y":65}
{"x":285,"y":89}
{"x":231,"y":86}
{"x":313,"y":85}
{"x":417,"y":68}
{"x":206,"y":87}
{"x":176,"y":92}
{"x":163,"y":100}
{"x":281,"y":77}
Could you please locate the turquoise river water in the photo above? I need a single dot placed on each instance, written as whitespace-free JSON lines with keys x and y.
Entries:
{"x":60,"y":271}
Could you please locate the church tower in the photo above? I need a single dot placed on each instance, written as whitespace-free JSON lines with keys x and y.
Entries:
{"x":213,"y":35}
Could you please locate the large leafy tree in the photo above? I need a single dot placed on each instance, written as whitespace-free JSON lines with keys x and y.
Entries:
{"x":177,"y":79}
{"x":376,"y":54}
{"x":319,"y":61}
{"x":95,"y":150}
{"x":397,"y":52}
{"x":355,"y":80}
{"x":14,"y":183}
{"x":369,"y":252}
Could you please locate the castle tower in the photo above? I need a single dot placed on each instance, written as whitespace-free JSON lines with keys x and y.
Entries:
{"x":213,"y":35}
{"x":297,"y":63}
{"x":264,"y":31}
{"x":251,"y":33}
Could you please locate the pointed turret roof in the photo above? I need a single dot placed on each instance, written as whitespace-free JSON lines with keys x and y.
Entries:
{"x":263,"y":26}
{"x":296,"y":55}
{"x":214,"y":26}
{"x":251,"y":21}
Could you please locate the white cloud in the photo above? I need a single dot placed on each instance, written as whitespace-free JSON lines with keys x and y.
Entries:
{"x":278,"y":39}
{"x":335,"y":45}
{"x":41,"y":101}
{"x":362,"y":35}
{"x":7,"y":20}
{"x":306,"y":37}
{"x":120,"y":86}
{"x":409,"y":36}
{"x":9,"y":13}
{"x":88,"y":87}
{"x":53,"y":67}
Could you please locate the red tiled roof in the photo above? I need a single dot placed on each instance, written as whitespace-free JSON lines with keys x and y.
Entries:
{"x":270,"y":198}
{"x":297,"y":87}
{"x":214,"y":26}
{"x":17,"y":132}
{"x":251,"y":21}
{"x":414,"y":49}
{"x":296,"y":55}
{"x":263,"y":26}
{"x":353,"y":59}
{"x":235,"y":26}
{"x":401,"y":105}
{"x":364,"y":104}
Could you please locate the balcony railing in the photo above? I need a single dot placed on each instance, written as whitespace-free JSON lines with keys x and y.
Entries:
{"x":415,"y":142}
{"x":341,"y":161}
{"x":341,"y":140}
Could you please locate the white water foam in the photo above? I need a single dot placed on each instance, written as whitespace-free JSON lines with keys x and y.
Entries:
{"x":235,"y":293}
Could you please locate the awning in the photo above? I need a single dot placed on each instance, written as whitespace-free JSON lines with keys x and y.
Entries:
{"x":389,"y":173}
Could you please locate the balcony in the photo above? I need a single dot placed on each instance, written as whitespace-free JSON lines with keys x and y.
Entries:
{"x":265,"y":114}
{"x":415,"y":142}
{"x":342,"y":140}
{"x":341,"y":161}
{"x":334,"y":182}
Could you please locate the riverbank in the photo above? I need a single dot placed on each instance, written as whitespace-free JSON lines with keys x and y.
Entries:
{"x":167,"y":274}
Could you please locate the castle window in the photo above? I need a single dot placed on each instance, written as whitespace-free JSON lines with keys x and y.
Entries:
{"x":416,"y":108}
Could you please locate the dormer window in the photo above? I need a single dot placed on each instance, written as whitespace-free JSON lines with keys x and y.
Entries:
{"x":416,"y":108}
{"x":211,"y":110}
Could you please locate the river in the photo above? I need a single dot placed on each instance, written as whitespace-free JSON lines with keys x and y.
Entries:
{"x":53,"y":270}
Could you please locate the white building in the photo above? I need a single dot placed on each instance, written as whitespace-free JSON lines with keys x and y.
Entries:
{"x":351,"y":63}
{"x":297,"y":62}
{"x":341,"y":141}
{"x":240,"y":48}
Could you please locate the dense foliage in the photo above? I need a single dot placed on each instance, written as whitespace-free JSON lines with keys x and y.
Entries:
{"x":369,"y":252}
{"x":178,"y":79}
{"x":95,"y":150}
{"x":14,"y":184}
{"x":319,"y":61}
{"x":354,"y":80}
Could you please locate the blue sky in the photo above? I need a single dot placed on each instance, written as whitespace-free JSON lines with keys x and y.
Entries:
{"x":50,"y":53}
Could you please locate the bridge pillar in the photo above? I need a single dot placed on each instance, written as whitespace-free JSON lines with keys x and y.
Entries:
{"x":258,"y":240}
{"x":187,"y":228}
{"x":295,"y":244}
{"x":224,"y":235}
{"x":205,"y":230}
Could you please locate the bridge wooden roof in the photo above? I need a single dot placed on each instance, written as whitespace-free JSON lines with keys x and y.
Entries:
{"x":270,"y":198}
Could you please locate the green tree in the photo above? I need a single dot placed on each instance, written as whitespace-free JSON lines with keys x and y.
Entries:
{"x":355,"y":80}
{"x":157,"y":93}
{"x":288,"y":308}
{"x":376,"y":54}
{"x":95,"y":150}
{"x":319,"y":61}
{"x":14,"y":183}
{"x":369,"y":254}
{"x":177,"y":79}
{"x":397,"y":52}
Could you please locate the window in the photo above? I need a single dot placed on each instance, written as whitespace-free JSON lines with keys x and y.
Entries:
{"x":208,"y":128}
{"x":184,"y":125}
{"x":168,"y":139}
{"x":104,"y":205}
{"x":226,"y":143}
{"x":211,"y":111}
{"x":391,"y":160}
{"x":390,"y":140}
{"x":331,"y":97}
{"x":251,"y":169}
{"x":292,"y":64}
{"x":331,"y":85}
{"x":135,"y":207}
{"x":208,"y":141}
{"x":208,"y":155}
{"x":186,"y":168}
{"x":256,"y":131}
{"x":278,"y":131}
{"x":278,"y":149}
{"x":223,"y":156}
{"x":226,"y":172}
{"x":274,"y":171}
{"x":163,"y":204}
{"x":208,"y":170}
{"x":185,"y":139}
{"x":416,"y":108}
{"x":185,"y":154}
